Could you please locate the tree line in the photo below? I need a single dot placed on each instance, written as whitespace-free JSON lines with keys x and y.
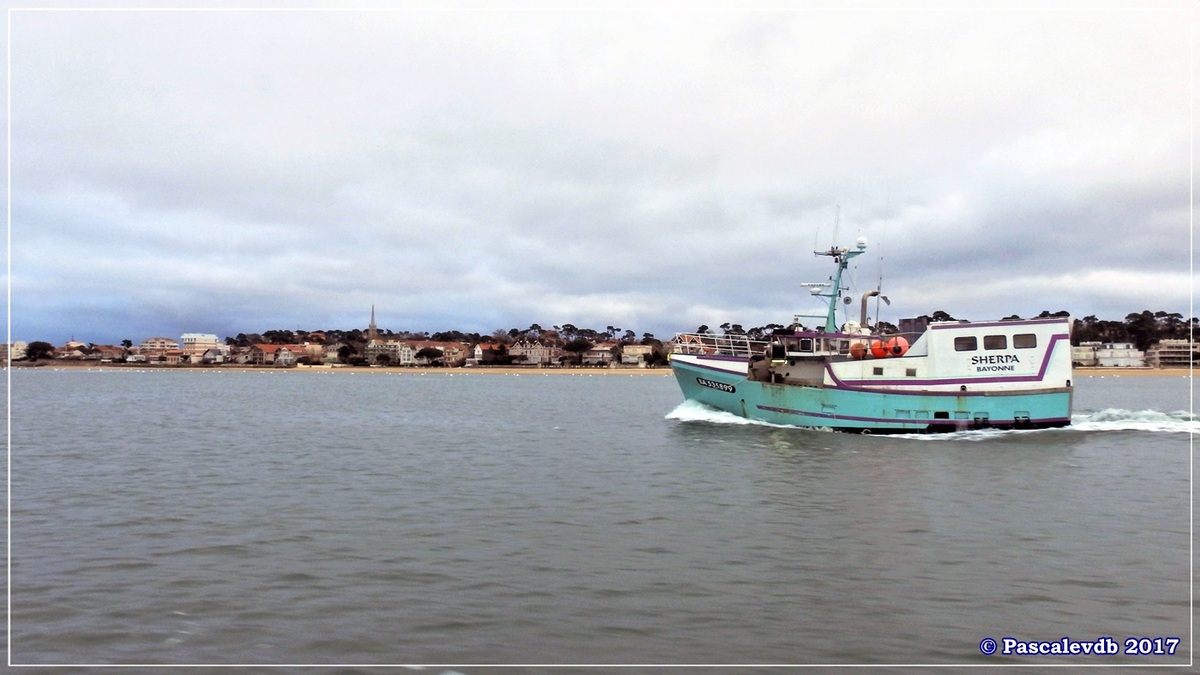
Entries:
{"x":1139,"y":328}
{"x":1142,"y":329}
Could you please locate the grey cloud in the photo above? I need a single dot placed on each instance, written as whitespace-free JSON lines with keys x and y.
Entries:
{"x":663,"y":168}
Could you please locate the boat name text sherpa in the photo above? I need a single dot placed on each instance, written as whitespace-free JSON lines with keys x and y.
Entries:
{"x":994,"y":362}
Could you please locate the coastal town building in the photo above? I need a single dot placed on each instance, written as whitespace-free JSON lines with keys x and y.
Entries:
{"x":1168,"y":353}
{"x":396,"y":352}
{"x":453,"y":353}
{"x":1108,"y":355}
{"x":14,"y":351}
{"x":1084,"y":353}
{"x":268,"y":355}
{"x":534,"y":351}
{"x":332,"y":353}
{"x":156,"y":348}
{"x":688,"y":343}
{"x":381,"y":352}
{"x":372,"y":329}
{"x":384,"y":352}
{"x":312,"y":352}
{"x":107,"y":353}
{"x":71,"y":352}
{"x":1119,"y":355}
{"x":636,"y":355}
{"x":599,"y":354}
{"x":195,"y":344}
{"x":393,"y":351}
{"x":487,"y":353}
{"x":218,"y":354}
{"x":203,"y":348}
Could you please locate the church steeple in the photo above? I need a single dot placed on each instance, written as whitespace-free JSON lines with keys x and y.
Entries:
{"x":372,"y":330}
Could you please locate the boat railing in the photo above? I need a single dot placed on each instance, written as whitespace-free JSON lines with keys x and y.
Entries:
{"x":716,"y":345}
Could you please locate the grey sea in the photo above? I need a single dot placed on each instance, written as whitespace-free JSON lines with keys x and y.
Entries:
{"x":457,"y":523}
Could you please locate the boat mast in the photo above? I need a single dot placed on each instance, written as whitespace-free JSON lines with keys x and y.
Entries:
{"x":842,"y":257}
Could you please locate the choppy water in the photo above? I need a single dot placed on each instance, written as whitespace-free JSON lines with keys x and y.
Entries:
{"x":202,"y":517}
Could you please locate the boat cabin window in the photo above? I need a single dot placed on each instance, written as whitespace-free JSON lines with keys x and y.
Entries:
{"x":1025,"y":341}
{"x":965,"y":343}
{"x":843,"y":346}
{"x":995,"y":342}
{"x":877,"y":370}
{"x":806,"y":344}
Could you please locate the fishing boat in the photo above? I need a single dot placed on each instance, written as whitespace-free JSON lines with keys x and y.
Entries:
{"x":951,"y":376}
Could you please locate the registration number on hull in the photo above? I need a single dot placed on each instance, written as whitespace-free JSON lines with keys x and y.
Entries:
{"x":719,"y":386}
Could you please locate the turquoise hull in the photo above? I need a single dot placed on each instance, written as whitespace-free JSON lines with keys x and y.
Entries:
{"x":873,"y":411}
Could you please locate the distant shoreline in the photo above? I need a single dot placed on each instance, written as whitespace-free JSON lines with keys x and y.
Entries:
{"x":1181,"y":371}
{"x":368,"y":370}
{"x":503,"y":370}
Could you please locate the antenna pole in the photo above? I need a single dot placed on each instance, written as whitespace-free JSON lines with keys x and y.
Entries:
{"x":879,"y":288}
{"x":837,"y":218}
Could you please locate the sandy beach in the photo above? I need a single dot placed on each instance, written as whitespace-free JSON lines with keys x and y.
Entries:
{"x":1133,"y":372}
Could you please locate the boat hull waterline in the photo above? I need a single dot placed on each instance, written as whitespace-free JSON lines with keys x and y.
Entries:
{"x":870,"y":411}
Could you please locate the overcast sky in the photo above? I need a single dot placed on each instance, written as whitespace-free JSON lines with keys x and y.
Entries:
{"x":650,"y":169}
